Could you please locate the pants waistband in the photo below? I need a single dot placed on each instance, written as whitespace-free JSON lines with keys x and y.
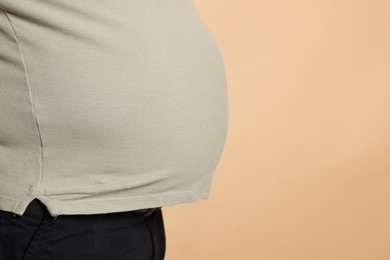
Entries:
{"x":147,"y":211}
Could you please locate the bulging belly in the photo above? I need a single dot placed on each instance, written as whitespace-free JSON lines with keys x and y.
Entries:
{"x":118,"y":80}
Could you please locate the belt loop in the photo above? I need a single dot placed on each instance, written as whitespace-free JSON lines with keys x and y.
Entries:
{"x":150,"y":211}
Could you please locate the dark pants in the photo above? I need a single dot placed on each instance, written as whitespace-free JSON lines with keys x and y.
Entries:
{"x":113,"y":236}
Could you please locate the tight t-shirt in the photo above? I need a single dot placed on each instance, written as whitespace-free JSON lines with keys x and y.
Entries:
{"x":108,"y":106}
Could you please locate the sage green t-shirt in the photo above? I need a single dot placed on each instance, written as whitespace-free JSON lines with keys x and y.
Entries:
{"x":108,"y":106}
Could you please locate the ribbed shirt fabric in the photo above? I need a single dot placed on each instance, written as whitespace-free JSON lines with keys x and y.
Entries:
{"x":108,"y":106}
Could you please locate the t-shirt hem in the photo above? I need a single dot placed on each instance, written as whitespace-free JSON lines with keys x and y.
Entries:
{"x":101,"y":206}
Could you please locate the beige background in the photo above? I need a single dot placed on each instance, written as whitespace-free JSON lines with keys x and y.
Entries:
{"x":305,"y":173}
